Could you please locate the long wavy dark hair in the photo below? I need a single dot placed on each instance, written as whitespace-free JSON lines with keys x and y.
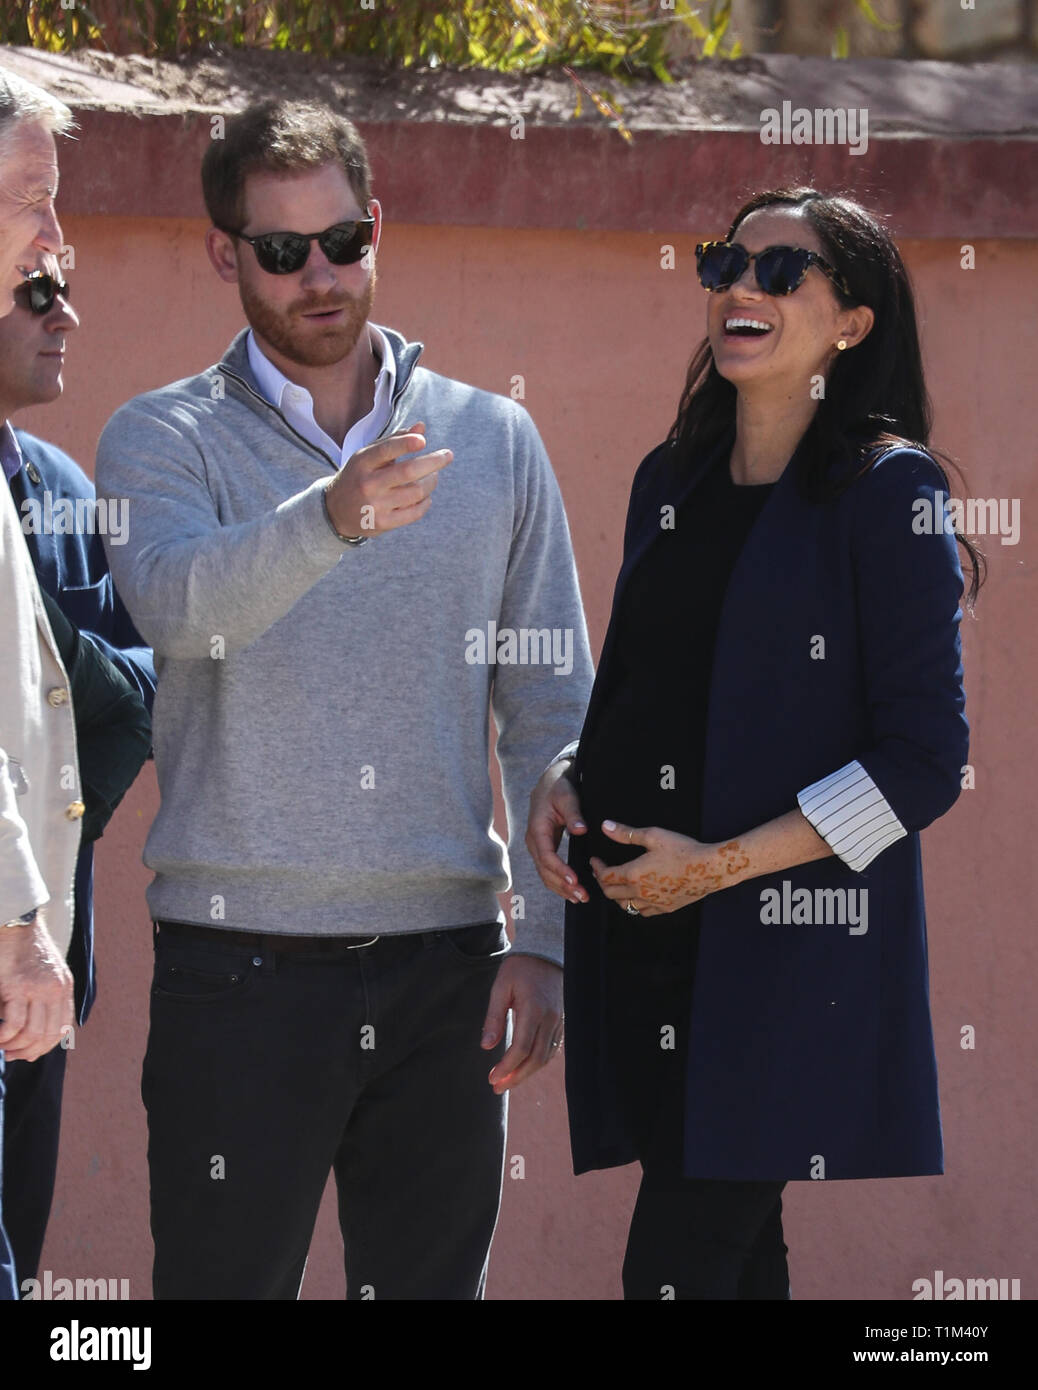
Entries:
{"x":875,"y":395}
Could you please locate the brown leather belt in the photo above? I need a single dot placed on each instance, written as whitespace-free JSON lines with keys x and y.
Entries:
{"x":268,"y":941}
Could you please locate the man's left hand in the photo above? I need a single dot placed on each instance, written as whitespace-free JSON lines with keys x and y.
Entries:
{"x":532,"y":989}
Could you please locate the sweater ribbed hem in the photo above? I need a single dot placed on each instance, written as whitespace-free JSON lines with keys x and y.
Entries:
{"x":267,"y":906}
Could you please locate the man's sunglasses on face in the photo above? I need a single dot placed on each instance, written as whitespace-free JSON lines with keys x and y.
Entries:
{"x":283,"y":253}
{"x":38,"y":291}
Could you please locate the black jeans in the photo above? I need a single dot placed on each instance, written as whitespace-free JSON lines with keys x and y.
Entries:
{"x":31,"y":1129}
{"x":266,"y":1070}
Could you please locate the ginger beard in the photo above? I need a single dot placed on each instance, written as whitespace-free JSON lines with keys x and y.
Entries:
{"x":307,"y":342}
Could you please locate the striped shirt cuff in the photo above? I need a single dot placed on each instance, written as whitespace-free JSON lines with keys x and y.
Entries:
{"x":852,"y":815}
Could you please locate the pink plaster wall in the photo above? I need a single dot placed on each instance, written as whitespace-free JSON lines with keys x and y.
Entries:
{"x":601,"y":335}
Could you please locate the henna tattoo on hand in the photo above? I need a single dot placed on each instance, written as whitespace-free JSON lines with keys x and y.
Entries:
{"x":736,"y":858}
{"x":694,"y":879}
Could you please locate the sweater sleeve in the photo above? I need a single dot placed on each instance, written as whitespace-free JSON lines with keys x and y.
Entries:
{"x":185,"y":577}
{"x":909,"y":583}
{"x":538,"y":705}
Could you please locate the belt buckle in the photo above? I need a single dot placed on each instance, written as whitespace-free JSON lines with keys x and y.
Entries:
{"x":361,"y":944}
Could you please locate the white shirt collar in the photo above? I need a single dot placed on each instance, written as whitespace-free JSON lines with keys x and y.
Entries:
{"x":296,"y":403}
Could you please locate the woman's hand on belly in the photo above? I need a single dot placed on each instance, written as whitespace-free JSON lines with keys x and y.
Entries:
{"x":674,"y":871}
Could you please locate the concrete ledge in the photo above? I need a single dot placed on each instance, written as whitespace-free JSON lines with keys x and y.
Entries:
{"x":952,"y":150}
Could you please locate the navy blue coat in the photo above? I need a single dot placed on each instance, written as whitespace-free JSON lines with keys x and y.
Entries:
{"x":73,"y":569}
{"x":811,"y":1051}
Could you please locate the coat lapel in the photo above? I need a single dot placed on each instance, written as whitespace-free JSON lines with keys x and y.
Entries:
{"x":668,"y":485}
{"x":28,"y":485}
{"x":660,"y":482}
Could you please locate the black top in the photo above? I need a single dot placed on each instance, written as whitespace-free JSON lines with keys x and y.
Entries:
{"x":643,"y":766}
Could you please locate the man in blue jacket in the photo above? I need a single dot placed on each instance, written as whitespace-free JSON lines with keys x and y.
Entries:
{"x":62,"y":527}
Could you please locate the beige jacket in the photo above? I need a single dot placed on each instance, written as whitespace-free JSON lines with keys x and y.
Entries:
{"x":40,"y":798}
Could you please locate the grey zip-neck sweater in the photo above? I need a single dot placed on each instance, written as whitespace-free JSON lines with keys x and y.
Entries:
{"x":321,"y":722}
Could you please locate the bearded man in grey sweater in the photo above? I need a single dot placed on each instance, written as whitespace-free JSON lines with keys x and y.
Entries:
{"x":335,"y":615}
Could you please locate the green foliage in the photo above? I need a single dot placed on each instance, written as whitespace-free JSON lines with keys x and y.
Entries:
{"x":617,"y":37}
{"x":506,"y":35}
{"x":873,"y":18}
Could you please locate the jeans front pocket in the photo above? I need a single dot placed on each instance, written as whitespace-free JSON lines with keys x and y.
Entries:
{"x":486,"y":943}
{"x":193,"y":972}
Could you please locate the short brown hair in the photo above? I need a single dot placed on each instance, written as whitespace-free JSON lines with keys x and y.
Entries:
{"x":279,"y":136}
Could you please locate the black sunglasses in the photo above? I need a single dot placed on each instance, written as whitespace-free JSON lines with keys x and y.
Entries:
{"x":779,"y":269}
{"x":283,"y":253}
{"x":38,"y":291}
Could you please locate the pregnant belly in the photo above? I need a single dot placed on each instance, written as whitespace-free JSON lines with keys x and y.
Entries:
{"x":635,"y":792}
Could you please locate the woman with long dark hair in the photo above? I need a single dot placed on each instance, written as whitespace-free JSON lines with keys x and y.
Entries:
{"x":778,"y":712}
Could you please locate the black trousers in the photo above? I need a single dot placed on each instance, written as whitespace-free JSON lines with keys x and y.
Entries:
{"x":697,"y":1238}
{"x":690,"y":1238}
{"x":32,"y":1114}
{"x":265,"y":1071}
{"x":8,"y":1287}
{"x":31,"y":1128}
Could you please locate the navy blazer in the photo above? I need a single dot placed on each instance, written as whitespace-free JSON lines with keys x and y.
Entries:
{"x":73,"y":569}
{"x":811,"y":1051}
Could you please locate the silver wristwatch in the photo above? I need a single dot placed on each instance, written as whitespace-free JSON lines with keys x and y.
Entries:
{"x":347,"y":540}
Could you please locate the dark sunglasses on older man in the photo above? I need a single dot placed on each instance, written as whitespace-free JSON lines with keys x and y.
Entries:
{"x":38,"y":291}
{"x":283,"y":253}
{"x":779,"y":269}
